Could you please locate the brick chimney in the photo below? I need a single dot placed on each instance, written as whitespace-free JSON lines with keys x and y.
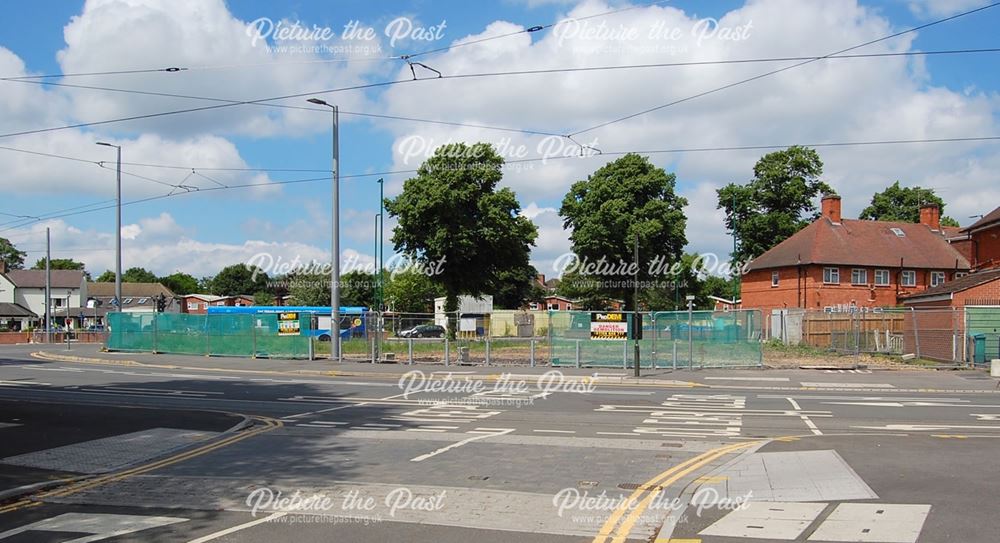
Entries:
{"x":930,"y":216}
{"x":830,"y":206}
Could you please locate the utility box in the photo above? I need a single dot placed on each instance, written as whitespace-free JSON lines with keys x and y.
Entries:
{"x":995,"y":368}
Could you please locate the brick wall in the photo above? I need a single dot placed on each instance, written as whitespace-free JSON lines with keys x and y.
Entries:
{"x":810,"y":292}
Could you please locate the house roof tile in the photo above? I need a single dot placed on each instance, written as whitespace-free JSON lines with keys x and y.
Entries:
{"x":36,"y":278}
{"x":864,"y":243}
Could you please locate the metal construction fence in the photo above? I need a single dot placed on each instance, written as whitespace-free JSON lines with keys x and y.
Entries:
{"x":670,"y":339}
{"x":243,"y":335}
{"x":969,"y":334}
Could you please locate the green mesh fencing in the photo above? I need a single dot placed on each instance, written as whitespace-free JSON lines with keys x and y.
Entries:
{"x":670,"y":339}
{"x":240,"y":335}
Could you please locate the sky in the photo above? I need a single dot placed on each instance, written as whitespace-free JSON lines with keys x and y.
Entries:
{"x":227,"y":183}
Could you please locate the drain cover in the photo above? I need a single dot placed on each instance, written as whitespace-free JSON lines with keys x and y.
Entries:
{"x":586,"y":484}
{"x":635,"y":486}
{"x":478,"y":477}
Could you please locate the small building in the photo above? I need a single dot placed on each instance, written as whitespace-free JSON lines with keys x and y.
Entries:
{"x":24,"y":292}
{"x":198,"y":304}
{"x":844,"y":264}
{"x":554,"y":302}
{"x":723,"y":304}
{"x":981,"y":241}
{"x":136,"y":298}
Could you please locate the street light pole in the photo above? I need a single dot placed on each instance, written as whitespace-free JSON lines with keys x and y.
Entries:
{"x":381,"y":242}
{"x":118,"y":235}
{"x":335,"y":242}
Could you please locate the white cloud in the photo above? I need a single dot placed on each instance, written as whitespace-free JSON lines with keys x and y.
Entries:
{"x":942,"y":8}
{"x":829,"y":101}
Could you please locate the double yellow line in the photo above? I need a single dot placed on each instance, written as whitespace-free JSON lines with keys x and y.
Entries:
{"x":629,"y":511}
{"x":36,"y":499}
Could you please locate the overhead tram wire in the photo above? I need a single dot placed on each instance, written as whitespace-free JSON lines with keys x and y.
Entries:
{"x":506,"y":73}
{"x":784,"y":69}
{"x":536,"y":159}
{"x":265,"y":101}
{"x":404,"y":57}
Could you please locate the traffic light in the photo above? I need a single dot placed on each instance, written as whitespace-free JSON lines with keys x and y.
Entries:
{"x":161,"y":303}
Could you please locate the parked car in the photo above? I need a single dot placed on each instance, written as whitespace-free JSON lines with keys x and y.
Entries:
{"x":423,"y":330}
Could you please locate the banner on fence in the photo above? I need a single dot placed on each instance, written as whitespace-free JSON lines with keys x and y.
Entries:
{"x":608,"y":326}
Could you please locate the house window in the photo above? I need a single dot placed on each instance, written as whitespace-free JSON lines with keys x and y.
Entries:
{"x":960,"y":274}
{"x":831,"y":276}
{"x":127,"y":301}
{"x":859,"y":276}
{"x":909,"y":278}
{"x":881,"y":278}
{"x":192,"y":306}
{"x":774,"y":279}
{"x":142,"y":301}
{"x":57,"y":302}
{"x":553,"y":307}
{"x":937,"y":278}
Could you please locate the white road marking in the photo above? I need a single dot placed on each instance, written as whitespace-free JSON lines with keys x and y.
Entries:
{"x":497,"y":432}
{"x":555,"y":431}
{"x":847,"y":385}
{"x":289,"y":417}
{"x":239,"y":527}
{"x":99,"y":525}
{"x":746,"y":378}
{"x":805,"y":419}
{"x":925,"y":427}
{"x":630,"y":434}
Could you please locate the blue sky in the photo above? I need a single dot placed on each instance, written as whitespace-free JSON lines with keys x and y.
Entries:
{"x":844,"y":100}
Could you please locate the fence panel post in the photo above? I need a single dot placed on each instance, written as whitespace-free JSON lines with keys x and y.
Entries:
{"x":409,"y":342}
{"x":916,"y":330}
{"x":155,"y":331}
{"x":447,"y":351}
{"x":487,"y":361}
{"x":532,"y":352}
{"x":578,"y":353}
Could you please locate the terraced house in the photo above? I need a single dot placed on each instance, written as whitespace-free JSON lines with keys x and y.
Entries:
{"x":837,"y":264}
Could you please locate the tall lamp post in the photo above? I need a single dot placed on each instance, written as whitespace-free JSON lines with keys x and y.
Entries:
{"x":335,"y":244}
{"x":118,"y":231}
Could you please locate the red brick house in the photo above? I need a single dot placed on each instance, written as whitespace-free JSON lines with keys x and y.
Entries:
{"x":980,"y":242}
{"x":197,"y":304}
{"x":840,"y":263}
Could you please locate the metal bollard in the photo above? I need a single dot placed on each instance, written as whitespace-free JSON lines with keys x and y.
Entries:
{"x":675,"y":355}
{"x":409,"y":360}
{"x":447,"y":352}
{"x":532,"y":355}
{"x":487,"y":362}
{"x":625,"y":355}
{"x":578,"y":353}
{"x":311,"y":353}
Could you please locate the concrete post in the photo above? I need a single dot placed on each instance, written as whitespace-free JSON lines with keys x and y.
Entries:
{"x":487,"y":350}
{"x":409,"y":342}
{"x":578,"y":353}
{"x":532,"y":355}
{"x":447,"y":352}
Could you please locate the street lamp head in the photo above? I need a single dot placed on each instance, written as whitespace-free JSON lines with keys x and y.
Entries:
{"x":317,"y":101}
{"x":106,"y":144}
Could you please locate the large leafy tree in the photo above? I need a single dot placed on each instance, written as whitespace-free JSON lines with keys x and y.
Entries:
{"x":902,"y":204}
{"x":239,"y":279}
{"x":181,"y":283}
{"x":776,"y":203}
{"x":107,"y":277}
{"x":309,"y":288}
{"x":454,"y":219}
{"x":59,"y":264}
{"x":411,"y":291}
{"x":137,"y":275}
{"x":10,"y":256}
{"x":357,"y":289}
{"x":605,"y":212}
{"x":514,"y":287}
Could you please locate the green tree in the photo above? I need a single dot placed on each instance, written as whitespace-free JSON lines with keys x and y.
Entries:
{"x":239,"y":279}
{"x":309,"y":288}
{"x":411,"y":291}
{"x":10,"y":256}
{"x":107,"y":277}
{"x":263,"y":298}
{"x":776,"y":203}
{"x":357,"y":289}
{"x":137,"y":275}
{"x":514,"y":287}
{"x":583,"y":290}
{"x":59,"y":264}
{"x":902,"y":204}
{"x":622,"y":199}
{"x":181,"y":283}
{"x":454,"y":219}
